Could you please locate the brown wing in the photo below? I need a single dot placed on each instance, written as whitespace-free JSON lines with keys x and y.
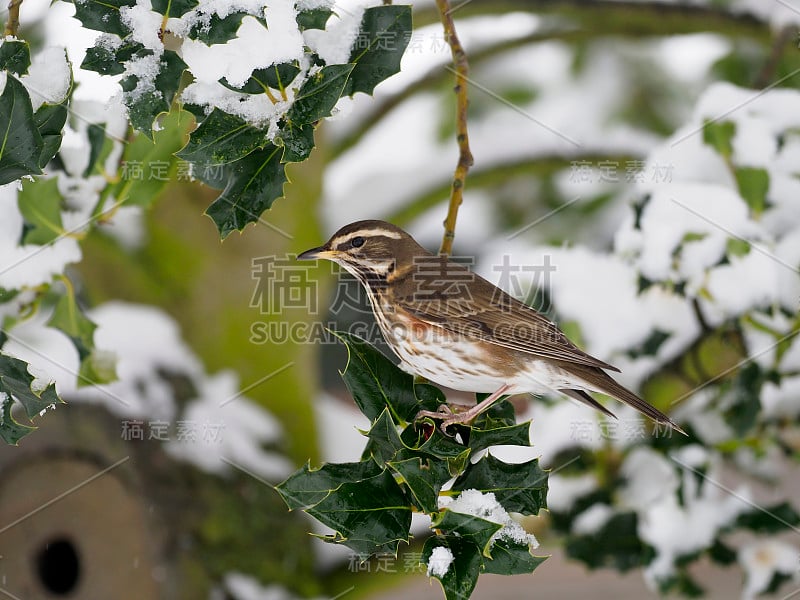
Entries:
{"x":462,"y":302}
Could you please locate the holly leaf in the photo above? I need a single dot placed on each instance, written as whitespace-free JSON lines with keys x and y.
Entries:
{"x":69,"y":318}
{"x":10,"y":430}
{"x":518,"y":487}
{"x":719,"y":135}
{"x":15,"y":56}
{"x":222,"y":138}
{"x":494,"y":433}
{"x":39,"y":202}
{"x":458,"y":582}
{"x":49,"y":120}
{"x":16,"y":381}
{"x":102,"y":15}
{"x":307,"y":487}
{"x":770,"y":519}
{"x":144,"y":105}
{"x":509,"y":558}
{"x":385,"y":441}
{"x":173,"y":8}
{"x":217,"y":30}
{"x":315,"y":18}
{"x":110,"y":61}
{"x":319,"y":94}
{"x":298,"y":142}
{"x":753,"y":185}
{"x":376,"y":383}
{"x":276,"y":77}
{"x":424,"y":480}
{"x":252,"y":184}
{"x":21,"y":144}
{"x":479,"y":531}
{"x":368,"y":516}
{"x":378,"y":48}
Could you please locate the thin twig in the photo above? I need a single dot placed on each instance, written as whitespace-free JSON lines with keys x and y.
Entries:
{"x":12,"y":24}
{"x":462,"y":101}
{"x":783,"y":40}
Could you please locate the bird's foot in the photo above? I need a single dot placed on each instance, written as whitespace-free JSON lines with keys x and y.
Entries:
{"x":449,"y":414}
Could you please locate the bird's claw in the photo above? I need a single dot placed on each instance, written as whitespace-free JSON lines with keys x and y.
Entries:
{"x":445,"y":413}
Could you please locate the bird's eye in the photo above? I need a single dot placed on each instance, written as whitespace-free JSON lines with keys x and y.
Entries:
{"x":357,"y":242}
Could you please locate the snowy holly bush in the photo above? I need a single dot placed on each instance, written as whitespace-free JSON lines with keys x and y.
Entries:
{"x":413,"y":466}
{"x":255,"y":78}
{"x":262,"y":76}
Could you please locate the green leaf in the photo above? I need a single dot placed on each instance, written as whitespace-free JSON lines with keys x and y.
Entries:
{"x":616,"y":544}
{"x":375,"y":383}
{"x":15,"y":56}
{"x":276,"y":77}
{"x":39,"y":202}
{"x":107,"y":61}
{"x":494,"y":433}
{"x":298,"y":142}
{"x":509,"y":558}
{"x":719,"y":135}
{"x":145,"y":106}
{"x":475,"y":529}
{"x":222,"y":138}
{"x":315,"y":18}
{"x":68,"y":318}
{"x":753,"y":185}
{"x":217,"y":30}
{"x":737,"y":247}
{"x":21,"y":145}
{"x":721,"y":553}
{"x":424,"y":480}
{"x":772,"y":519}
{"x":102,"y":15}
{"x":148,"y":166}
{"x":96,"y":134}
{"x":49,"y":120}
{"x":96,"y":368}
{"x":519,"y":487}
{"x":650,"y":346}
{"x":384,"y":437}
{"x":173,"y":8}
{"x":379,"y":46}
{"x":741,"y":414}
{"x":459,"y":581}
{"x":252,"y":184}
{"x":16,"y":381}
{"x":319,"y":94}
{"x":368,"y":516}
{"x":307,"y":487}
{"x":10,"y":430}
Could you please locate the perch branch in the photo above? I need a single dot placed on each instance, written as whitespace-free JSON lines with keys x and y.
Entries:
{"x":12,"y":24}
{"x":461,"y":72}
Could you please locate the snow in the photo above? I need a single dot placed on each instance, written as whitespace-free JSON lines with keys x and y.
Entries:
{"x":334,"y":44}
{"x":648,"y":477}
{"x":144,"y":24}
{"x":485,"y":506}
{"x":48,"y":78}
{"x":239,"y":586}
{"x":592,"y":519}
{"x":761,"y":560}
{"x":563,"y":491}
{"x":145,"y":68}
{"x":439,"y":562}
{"x":236,"y":428}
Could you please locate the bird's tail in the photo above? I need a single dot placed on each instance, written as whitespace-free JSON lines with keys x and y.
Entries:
{"x":599,"y":381}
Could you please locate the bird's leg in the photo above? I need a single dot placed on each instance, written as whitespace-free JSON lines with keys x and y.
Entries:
{"x":467,"y":415}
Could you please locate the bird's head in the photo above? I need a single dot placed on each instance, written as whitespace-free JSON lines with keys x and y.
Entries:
{"x":368,"y":249}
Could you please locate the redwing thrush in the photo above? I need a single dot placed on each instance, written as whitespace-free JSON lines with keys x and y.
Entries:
{"x":454,"y":328}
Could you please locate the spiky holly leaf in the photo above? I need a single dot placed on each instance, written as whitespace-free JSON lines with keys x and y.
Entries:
{"x":307,"y":487}
{"x":424,"y":479}
{"x":102,"y":15}
{"x":15,"y":56}
{"x":378,"y":47}
{"x":461,"y":575}
{"x":49,"y":120}
{"x":220,"y":139}
{"x":17,"y":382}
{"x":319,"y":94}
{"x":509,"y":558}
{"x":21,"y":144}
{"x":40,"y":202}
{"x":519,"y":487}
{"x":469,"y":527}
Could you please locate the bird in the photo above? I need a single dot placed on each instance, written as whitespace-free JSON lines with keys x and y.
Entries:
{"x":450,"y":326}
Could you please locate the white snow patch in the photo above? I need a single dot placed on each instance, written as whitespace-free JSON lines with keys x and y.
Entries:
{"x":761,"y":560}
{"x":48,"y":78}
{"x":485,"y":506}
{"x":439,"y":562}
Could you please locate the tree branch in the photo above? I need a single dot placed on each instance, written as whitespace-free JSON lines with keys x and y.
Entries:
{"x":12,"y":24}
{"x":462,"y":102}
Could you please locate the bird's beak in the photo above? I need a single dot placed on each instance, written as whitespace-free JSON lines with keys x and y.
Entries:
{"x":314,"y":253}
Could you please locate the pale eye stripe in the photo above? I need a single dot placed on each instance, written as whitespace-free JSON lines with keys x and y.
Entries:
{"x":367,"y":233}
